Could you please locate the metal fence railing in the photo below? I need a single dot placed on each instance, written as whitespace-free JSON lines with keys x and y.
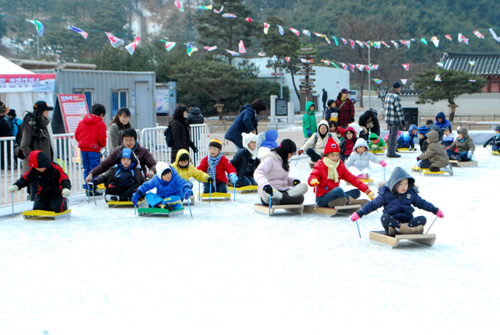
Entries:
{"x":68,"y":156}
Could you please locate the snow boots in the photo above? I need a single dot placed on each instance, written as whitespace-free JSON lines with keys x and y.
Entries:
{"x":338,"y":202}
{"x":352,"y":201}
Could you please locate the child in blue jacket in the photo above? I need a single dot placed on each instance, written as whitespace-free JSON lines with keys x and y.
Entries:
{"x":170,"y":189}
{"x":398,"y":197}
{"x":407,"y":139}
{"x":494,"y":141}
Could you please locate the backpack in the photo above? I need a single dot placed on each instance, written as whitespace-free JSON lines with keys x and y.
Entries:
{"x":169,"y":137}
{"x":17,"y":143}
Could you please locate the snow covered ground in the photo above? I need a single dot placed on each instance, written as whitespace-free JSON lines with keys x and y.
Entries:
{"x":229,"y":270}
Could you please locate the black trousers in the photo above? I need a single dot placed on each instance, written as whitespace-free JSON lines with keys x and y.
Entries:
{"x":388,"y":220}
{"x":124,"y":192}
{"x":54,"y":203}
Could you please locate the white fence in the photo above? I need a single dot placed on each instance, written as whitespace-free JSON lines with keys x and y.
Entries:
{"x":68,"y":157}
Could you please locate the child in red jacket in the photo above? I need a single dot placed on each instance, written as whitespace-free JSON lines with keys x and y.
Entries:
{"x":217,"y":165}
{"x":91,"y":137}
{"x":326,"y":176}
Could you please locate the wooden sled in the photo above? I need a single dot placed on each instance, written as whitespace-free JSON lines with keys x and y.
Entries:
{"x":296,"y":209}
{"x":464,"y":164}
{"x":329,"y":210}
{"x":215,"y":196}
{"x":249,"y":188}
{"x":154,"y":211}
{"x":393,"y":241}
{"x":45,"y":215}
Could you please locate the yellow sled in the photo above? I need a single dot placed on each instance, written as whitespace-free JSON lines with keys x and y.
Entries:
{"x":215,"y":196}
{"x":249,"y":188}
{"x":45,"y":215}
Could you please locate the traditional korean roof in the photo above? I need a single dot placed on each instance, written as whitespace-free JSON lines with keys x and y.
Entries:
{"x":483,"y":64}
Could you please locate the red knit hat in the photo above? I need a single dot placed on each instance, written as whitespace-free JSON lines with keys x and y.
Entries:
{"x":331,"y":146}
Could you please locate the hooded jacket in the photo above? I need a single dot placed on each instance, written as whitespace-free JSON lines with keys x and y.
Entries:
{"x":91,"y":133}
{"x":318,"y":142}
{"x":407,"y":139}
{"x":362,"y":161}
{"x":445,"y":122}
{"x":399,"y":206}
{"x":175,"y":186}
{"x":246,"y":122}
{"x":347,"y":146}
{"x":270,"y":172}
{"x":320,"y":173}
{"x":190,"y":170}
{"x":120,"y":175}
{"x":435,"y":152}
{"x":379,"y":143}
{"x":465,"y":144}
{"x":194,"y":116}
{"x":309,"y":120}
{"x":244,"y":161}
{"x":48,"y":183}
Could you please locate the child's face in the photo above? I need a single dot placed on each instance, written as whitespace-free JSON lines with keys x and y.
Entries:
{"x":252,"y":145}
{"x":126,"y":162}
{"x":497,"y":132}
{"x":323,"y":129}
{"x":360,"y":150}
{"x":440,"y":120}
{"x":41,"y":170}
{"x":167,"y":176}
{"x":311,"y":108}
{"x":414,"y":131}
{"x":460,"y":136}
{"x":333,"y":129}
{"x":374,"y":141}
{"x":183,"y":164}
{"x":348,"y":135}
{"x":290,"y":156}
{"x":402,"y":186}
{"x":213,"y":151}
{"x":334,"y":156}
{"x":446,"y":132}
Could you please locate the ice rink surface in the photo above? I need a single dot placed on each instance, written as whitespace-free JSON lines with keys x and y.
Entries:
{"x":229,"y":270}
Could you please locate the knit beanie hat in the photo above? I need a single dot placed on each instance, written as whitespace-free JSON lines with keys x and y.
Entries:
{"x":39,"y":159}
{"x":331,"y":146}
{"x":216,"y":144}
{"x":423,"y":130}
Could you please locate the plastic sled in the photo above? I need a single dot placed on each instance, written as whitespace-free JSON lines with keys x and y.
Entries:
{"x":101,"y":187}
{"x":121,"y":203}
{"x":377,"y":152}
{"x":393,"y":241}
{"x":45,"y":215}
{"x":295,"y":209}
{"x":215,"y":196}
{"x":249,"y":188}
{"x":495,"y":153}
{"x":329,"y":210}
{"x":154,"y":211}
{"x":464,"y":164}
{"x":447,"y":169}
{"x":416,"y":168}
{"x":404,"y":150}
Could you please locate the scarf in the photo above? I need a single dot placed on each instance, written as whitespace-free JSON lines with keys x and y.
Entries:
{"x":332,"y":168}
{"x":212,"y":167}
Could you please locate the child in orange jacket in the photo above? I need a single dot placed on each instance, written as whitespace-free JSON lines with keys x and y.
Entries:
{"x":326,"y":176}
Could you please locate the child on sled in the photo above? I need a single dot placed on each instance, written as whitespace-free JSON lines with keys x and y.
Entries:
{"x":123,"y":179}
{"x":398,"y":197}
{"x":359,"y":162}
{"x":217,"y":165}
{"x":326,"y":176}
{"x":170,"y":189}
{"x":52,"y":184}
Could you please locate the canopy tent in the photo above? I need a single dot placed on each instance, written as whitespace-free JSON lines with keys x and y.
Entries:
{"x":20,"y":88}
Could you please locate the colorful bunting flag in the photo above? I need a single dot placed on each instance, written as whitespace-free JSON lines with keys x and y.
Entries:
{"x":360,"y":44}
{"x":407,"y":43}
{"x":205,"y":7}
{"x":360,"y":67}
{"x":287,"y":59}
{"x":79,"y":31}
{"x":295,"y":31}
{"x":472,"y":80}
{"x":478,"y":34}
{"x":435,"y":40}
{"x":377,"y":81}
{"x":190,"y":49}
{"x":367,"y":45}
{"x":423,"y":40}
{"x":344,"y":65}
{"x":266,"y":27}
{"x":440,"y":64}
{"x":306,"y":32}
{"x":495,"y":37}
{"x":241,"y":48}
{"x":327,"y":40}
{"x":38,"y":26}
{"x":395,"y":44}
{"x":261,"y":54}
{"x":448,"y":36}
{"x":327,"y":62}
{"x":344,"y":41}
{"x":352,"y":67}
{"x":336,"y":40}
{"x":218,"y":11}
{"x":229,"y":16}
{"x":233,"y":53}
{"x":249,"y":20}
{"x":179,"y":5}
{"x":169,"y":45}
{"x":273,"y":59}
{"x":132,"y":46}
{"x":374,"y":67}
{"x":404,"y":81}
{"x":352,"y":43}
{"x":210,"y":48}
{"x":406,"y":66}
{"x":115,"y":41}
{"x":280,"y":28}
{"x":387,"y":45}
{"x":438,"y":78}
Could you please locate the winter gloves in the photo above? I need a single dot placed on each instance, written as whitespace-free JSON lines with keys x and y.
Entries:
{"x":233,"y":177}
{"x":314,"y":182}
{"x":354,"y":217}
{"x":384,"y":164}
{"x":13,"y":189}
{"x":136,"y":196}
{"x":469,"y":154}
{"x":301,"y":152}
{"x":187,"y":192}
{"x":309,"y":133}
{"x":440,"y":214}
{"x":210,"y":180}
{"x":296,"y":182}
{"x":66,"y":192}
{"x":268,"y":189}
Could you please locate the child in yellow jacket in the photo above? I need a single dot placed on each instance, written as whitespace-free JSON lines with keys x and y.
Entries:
{"x":186,"y":169}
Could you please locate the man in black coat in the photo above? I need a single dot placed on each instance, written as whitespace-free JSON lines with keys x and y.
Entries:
{"x":324,"y":98}
{"x":369,"y":122}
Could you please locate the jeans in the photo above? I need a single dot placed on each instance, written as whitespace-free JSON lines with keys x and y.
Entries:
{"x":90,"y":160}
{"x":337,"y":193}
{"x":314,"y":156}
{"x":154,"y":199}
{"x":462,"y":155}
{"x":246,"y":181}
{"x":221,"y":187}
{"x":393,"y":135}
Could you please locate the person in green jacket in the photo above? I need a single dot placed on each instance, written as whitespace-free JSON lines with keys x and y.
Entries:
{"x":309,"y":120}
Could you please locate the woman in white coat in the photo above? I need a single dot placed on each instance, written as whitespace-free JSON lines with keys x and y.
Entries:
{"x":315,"y":145}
